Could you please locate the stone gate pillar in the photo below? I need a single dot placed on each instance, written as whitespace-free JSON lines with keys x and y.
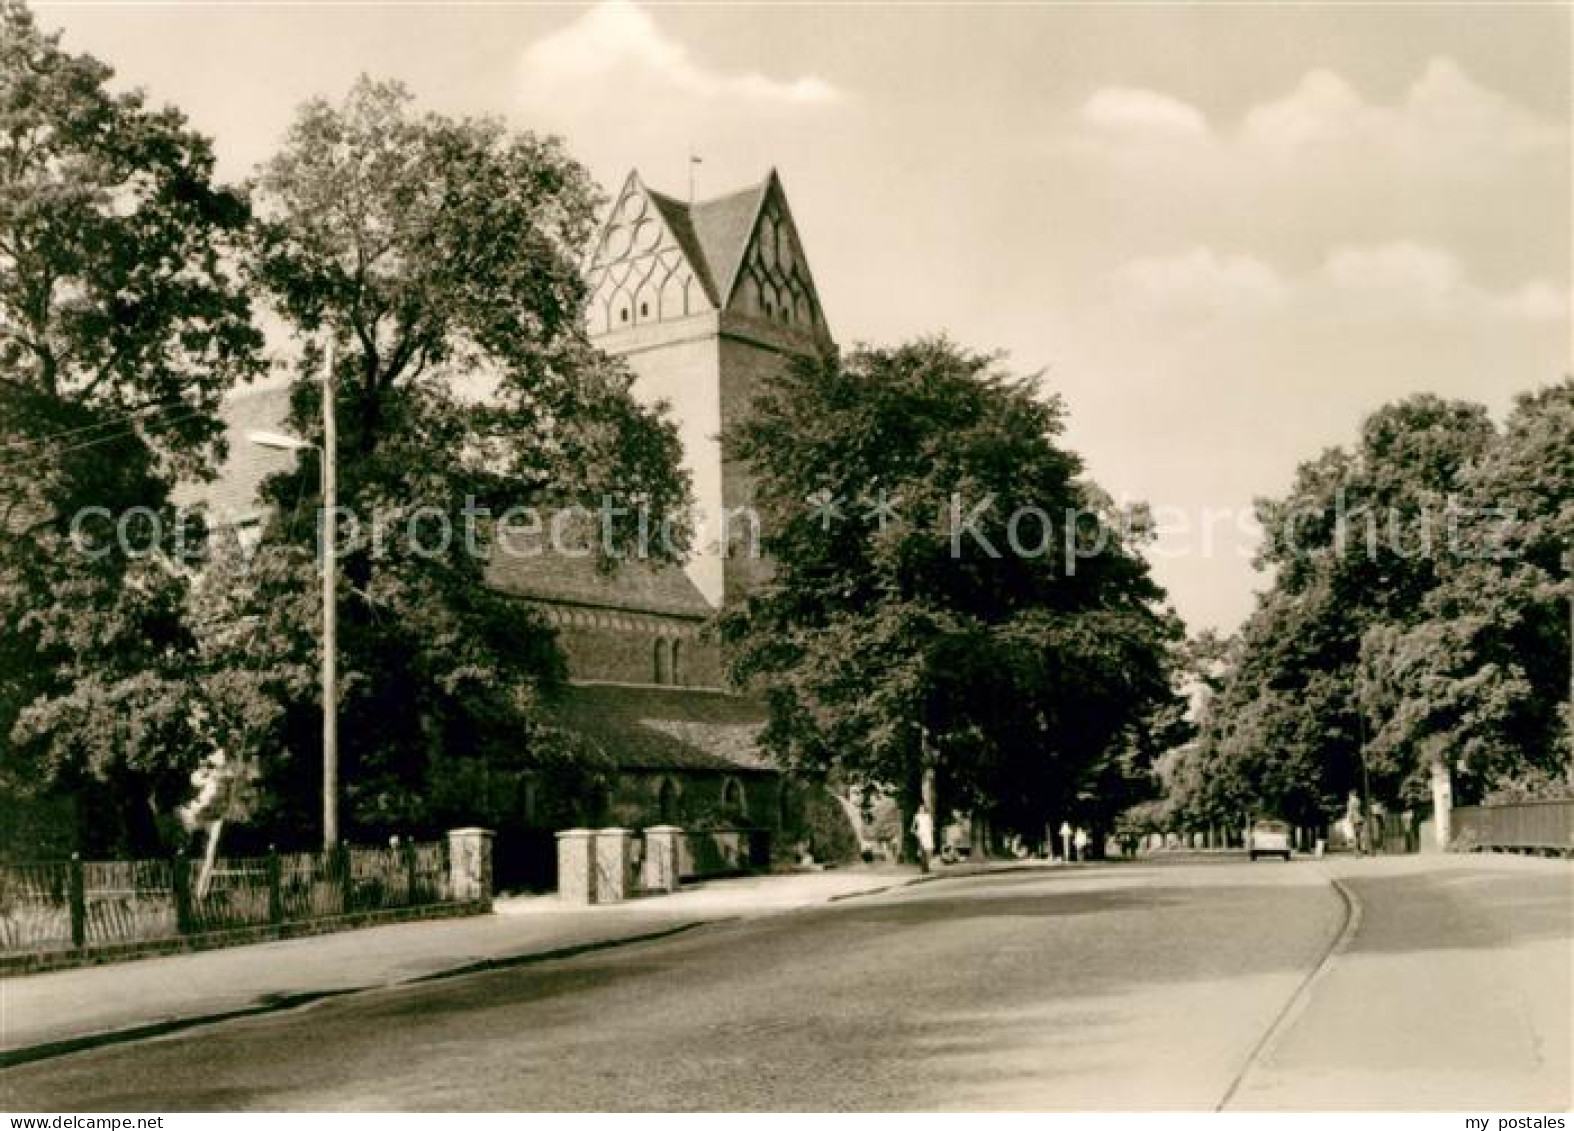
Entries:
{"x":470,"y":866}
{"x":662,"y":859}
{"x":613,"y":854}
{"x":576,"y":866}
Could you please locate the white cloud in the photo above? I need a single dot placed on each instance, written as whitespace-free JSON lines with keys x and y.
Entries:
{"x":1444,"y":110}
{"x":1539,"y":300}
{"x":1200,"y":280}
{"x":1444,"y":131}
{"x":617,"y":43}
{"x":1395,"y":281}
{"x":1322,"y":107}
{"x":1403,"y":280}
{"x":1134,"y":110}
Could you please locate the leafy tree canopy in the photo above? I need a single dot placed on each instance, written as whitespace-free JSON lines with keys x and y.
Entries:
{"x":442,"y":255}
{"x":1416,"y":625}
{"x":949,"y":594}
{"x":121,"y":327}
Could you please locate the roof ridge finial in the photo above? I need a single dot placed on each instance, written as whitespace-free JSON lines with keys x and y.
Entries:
{"x":694,"y":159}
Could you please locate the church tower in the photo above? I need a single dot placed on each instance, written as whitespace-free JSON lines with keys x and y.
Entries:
{"x":703,"y":301}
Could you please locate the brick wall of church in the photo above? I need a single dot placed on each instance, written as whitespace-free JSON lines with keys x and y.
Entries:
{"x":698,"y":801}
{"x":625,"y":651}
{"x":676,"y":364}
{"x":745,"y":366}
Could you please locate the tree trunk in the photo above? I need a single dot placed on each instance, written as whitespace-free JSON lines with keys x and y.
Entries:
{"x":927,"y":795}
{"x":210,"y":855}
{"x":1442,"y":799}
{"x":912,"y":798}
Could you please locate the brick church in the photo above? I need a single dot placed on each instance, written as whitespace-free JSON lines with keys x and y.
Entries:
{"x":702,"y":300}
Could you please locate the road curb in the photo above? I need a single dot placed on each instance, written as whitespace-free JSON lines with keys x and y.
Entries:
{"x":1301,"y":998}
{"x":933,"y":877}
{"x":279,"y":1003}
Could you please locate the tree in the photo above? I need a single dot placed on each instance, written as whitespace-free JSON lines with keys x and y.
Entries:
{"x":121,"y":327}
{"x":1414,"y":630}
{"x":954,"y":613}
{"x":442,"y":256}
{"x":1474,"y":684}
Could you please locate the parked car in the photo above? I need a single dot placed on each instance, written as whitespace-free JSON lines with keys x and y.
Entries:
{"x":1269,"y":838}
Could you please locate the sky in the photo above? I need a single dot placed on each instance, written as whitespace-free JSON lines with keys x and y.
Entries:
{"x":1224,"y":234}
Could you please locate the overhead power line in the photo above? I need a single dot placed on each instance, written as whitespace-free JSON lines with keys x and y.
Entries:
{"x":110,"y":422}
{"x":31,"y":459}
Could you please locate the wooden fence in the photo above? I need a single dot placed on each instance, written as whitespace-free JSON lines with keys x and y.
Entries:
{"x":1543,"y":825}
{"x":77,"y":904}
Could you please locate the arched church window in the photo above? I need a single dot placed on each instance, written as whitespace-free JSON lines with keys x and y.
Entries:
{"x":623,"y":314}
{"x":677,"y":662}
{"x":733,"y":801}
{"x":663,"y":660}
{"x":667,"y":802}
{"x":644,"y":310}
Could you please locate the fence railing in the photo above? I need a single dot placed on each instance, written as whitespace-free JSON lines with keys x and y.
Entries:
{"x":75,"y":903}
{"x":1523,"y":824}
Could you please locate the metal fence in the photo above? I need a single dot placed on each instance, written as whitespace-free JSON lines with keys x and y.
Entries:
{"x":75,"y":903}
{"x":1546,"y":825}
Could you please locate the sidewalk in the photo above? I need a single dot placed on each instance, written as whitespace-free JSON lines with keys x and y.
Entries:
{"x":86,"y":1005}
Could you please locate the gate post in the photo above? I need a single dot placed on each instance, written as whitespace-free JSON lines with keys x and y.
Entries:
{"x":275,"y":887}
{"x":181,"y":874}
{"x":78,"y":901}
{"x":614,"y":848}
{"x":470,"y":866}
{"x":576,"y":865}
{"x":661,"y":858}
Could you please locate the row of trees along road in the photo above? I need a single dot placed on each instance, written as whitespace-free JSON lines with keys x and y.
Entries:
{"x":1416,"y":632}
{"x":925,"y":630}
{"x":441,"y":255}
{"x":131,"y":288}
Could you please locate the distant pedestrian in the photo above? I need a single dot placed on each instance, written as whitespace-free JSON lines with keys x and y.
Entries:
{"x":1081,"y":840}
{"x":924,"y":833}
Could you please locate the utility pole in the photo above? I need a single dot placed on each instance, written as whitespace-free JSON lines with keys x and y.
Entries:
{"x":327,"y":538}
{"x":330,"y":613}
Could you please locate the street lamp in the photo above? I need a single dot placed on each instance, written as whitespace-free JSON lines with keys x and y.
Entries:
{"x":330,"y":576}
{"x":280,"y":442}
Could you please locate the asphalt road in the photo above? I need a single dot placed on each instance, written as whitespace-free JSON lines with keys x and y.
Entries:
{"x":1175,"y":986}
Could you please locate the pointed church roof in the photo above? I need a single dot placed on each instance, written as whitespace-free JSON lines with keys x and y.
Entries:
{"x":527,"y":566}
{"x":714,"y":234}
{"x":668,"y":728}
{"x":724,"y":227}
{"x":680,"y":222}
